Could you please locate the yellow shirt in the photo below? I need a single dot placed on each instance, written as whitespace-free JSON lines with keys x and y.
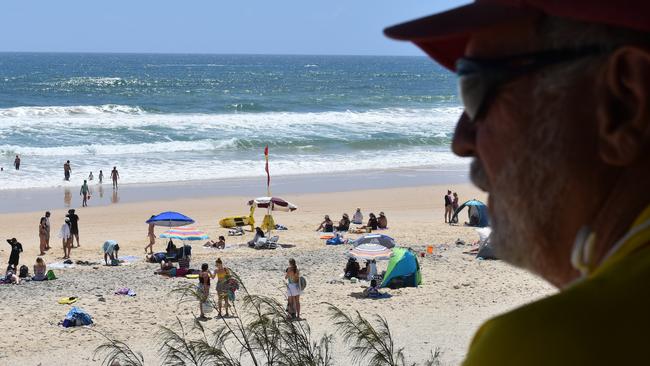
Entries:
{"x":601,"y":320}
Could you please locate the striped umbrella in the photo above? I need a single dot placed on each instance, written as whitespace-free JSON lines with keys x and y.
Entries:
{"x":370,"y":252}
{"x":274,"y":203}
{"x":184,"y":233}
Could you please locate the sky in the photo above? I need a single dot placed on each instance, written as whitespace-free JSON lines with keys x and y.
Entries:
{"x":337,"y":27}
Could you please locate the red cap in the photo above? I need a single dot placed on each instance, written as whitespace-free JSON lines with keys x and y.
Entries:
{"x":443,"y":36}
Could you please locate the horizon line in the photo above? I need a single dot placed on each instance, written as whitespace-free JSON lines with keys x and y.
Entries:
{"x":210,"y":53}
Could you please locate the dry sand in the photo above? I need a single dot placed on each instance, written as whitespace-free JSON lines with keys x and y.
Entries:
{"x":458,"y":292}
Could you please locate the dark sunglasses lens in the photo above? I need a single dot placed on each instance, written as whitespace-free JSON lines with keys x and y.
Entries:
{"x":472,"y":89}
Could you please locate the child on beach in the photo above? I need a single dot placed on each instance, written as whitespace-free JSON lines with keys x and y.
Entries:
{"x":90,"y":176}
{"x":66,"y":238}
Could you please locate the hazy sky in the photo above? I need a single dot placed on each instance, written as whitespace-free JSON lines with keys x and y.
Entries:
{"x":210,"y":26}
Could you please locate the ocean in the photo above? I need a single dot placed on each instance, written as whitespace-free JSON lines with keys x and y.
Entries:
{"x":170,"y":118}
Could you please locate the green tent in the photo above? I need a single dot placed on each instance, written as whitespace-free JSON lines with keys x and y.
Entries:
{"x":403,"y":270}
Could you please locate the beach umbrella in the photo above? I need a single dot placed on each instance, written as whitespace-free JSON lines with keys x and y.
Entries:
{"x":170,"y":219}
{"x":273,"y":204}
{"x":184,"y":233}
{"x":370,"y":252}
{"x":381,"y":239}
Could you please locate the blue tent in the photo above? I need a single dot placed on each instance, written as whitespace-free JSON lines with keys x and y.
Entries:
{"x":170,"y":219}
{"x":477,"y":212}
{"x":403,"y":270}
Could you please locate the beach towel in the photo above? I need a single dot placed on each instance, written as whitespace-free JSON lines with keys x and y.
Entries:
{"x":125,"y":291}
{"x":60,"y":265}
{"x":335,"y":240}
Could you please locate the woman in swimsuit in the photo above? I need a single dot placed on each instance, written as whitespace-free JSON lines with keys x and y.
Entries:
{"x":293,"y":289}
{"x":223,"y":275}
{"x":204,"y":288}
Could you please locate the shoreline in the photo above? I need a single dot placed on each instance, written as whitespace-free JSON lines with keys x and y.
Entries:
{"x":40,"y":199}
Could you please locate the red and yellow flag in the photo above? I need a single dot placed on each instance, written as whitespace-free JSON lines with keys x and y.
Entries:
{"x":268,"y":176}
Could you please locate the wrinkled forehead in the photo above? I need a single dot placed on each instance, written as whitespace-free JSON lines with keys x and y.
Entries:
{"x":511,"y":38}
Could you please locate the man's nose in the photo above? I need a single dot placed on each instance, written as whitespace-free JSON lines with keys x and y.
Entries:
{"x":464,"y":142}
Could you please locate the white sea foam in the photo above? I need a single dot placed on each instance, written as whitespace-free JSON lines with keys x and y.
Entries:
{"x":39,"y":113}
{"x":146,"y":170}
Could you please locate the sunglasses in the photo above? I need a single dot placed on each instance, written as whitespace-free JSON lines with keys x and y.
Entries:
{"x":479,"y":79}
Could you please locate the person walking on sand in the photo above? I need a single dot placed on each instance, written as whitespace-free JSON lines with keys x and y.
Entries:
{"x":47,"y":230}
{"x":448,"y":202}
{"x":91,"y":176}
{"x":115,"y":176}
{"x":203,"y":289}
{"x":223,"y":275}
{"x":101,"y":177}
{"x":152,"y":238}
{"x":292,"y":275}
{"x":17,"y":162}
{"x":66,"y":238}
{"x":74,"y":227}
{"x":84,"y":192}
{"x":42,"y":235}
{"x":66,"y":170}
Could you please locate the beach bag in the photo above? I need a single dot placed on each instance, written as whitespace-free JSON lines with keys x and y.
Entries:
{"x":50,"y":275}
{"x":24,"y":271}
{"x":303,"y":283}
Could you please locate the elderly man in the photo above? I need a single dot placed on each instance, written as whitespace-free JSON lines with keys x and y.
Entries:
{"x":557,"y":119}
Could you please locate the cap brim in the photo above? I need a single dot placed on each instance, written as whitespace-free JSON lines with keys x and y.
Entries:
{"x":443,"y":36}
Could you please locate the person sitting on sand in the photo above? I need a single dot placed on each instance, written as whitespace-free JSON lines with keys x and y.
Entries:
{"x":111,"y":249}
{"x":259,"y":234}
{"x":171,"y":249}
{"x":40,"y":270}
{"x":372,"y":290}
{"x":327,"y":226}
{"x":10,"y":277}
{"x":357,"y":218}
{"x":372,"y":222}
{"x":344,"y":223}
{"x":382,"y":221}
{"x":223,"y":275}
{"x":14,"y":257}
{"x":351,"y":269}
{"x":219,"y":244}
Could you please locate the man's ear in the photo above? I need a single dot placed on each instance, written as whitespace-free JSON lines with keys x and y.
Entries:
{"x":624,"y":114}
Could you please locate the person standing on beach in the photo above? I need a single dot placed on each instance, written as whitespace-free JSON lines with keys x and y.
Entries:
{"x":17,"y":162}
{"x":42,"y":235}
{"x":74,"y":227}
{"x":84,"y":192}
{"x":556,"y":119}
{"x":101,"y":177}
{"x":47,"y":230}
{"x":66,"y":170}
{"x":152,"y":237}
{"x":448,"y":203}
{"x":292,"y":275}
{"x":203,"y":289}
{"x":14,"y":257}
{"x":115,"y":176}
{"x":454,"y":206}
{"x":66,"y":238}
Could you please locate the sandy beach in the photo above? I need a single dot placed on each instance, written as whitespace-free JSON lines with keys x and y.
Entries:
{"x":458,"y":293}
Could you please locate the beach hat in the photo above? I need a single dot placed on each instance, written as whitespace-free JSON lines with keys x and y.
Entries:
{"x":443,"y":36}
{"x":345,"y":215}
{"x":381,"y":213}
{"x":327,"y":217}
{"x":12,"y":240}
{"x":67,"y":219}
